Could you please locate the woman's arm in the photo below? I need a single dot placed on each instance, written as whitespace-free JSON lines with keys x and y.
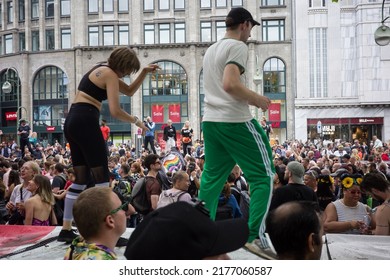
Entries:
{"x":130,"y":89}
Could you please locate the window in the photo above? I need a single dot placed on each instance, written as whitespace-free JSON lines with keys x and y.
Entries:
{"x":205,"y":3}
{"x":272,"y":3}
{"x":22,"y":11}
{"x":10,"y":12}
{"x":65,"y":7}
{"x":93,"y":36}
{"x":318,"y":66}
{"x":65,"y":38}
{"x":180,"y":32}
{"x":50,"y":39}
{"x":236,"y":3}
{"x":221,"y":3}
{"x":35,"y":41}
{"x":50,"y":83}
{"x":22,"y":41}
{"x":108,"y":6}
{"x":148,"y":5}
{"x":163,"y":4}
{"x":108,"y":35}
{"x":49,"y":11}
{"x":164,"y":31}
{"x":179,"y":4}
{"x":149,"y":33}
{"x":205,"y":31}
{"x":123,"y":6}
{"x":274,"y":76}
{"x":220,"y":28}
{"x":34,"y":9}
{"x":123,"y":35}
{"x":93,"y":6}
{"x":273,"y":30}
{"x":8,"y":43}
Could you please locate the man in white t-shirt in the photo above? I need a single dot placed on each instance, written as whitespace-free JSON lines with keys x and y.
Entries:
{"x":231,"y":135}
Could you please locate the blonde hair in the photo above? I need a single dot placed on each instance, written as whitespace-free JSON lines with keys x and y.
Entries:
{"x":44,"y":189}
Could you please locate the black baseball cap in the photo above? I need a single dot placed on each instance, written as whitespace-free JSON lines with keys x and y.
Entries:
{"x":239,"y":15}
{"x":180,"y":231}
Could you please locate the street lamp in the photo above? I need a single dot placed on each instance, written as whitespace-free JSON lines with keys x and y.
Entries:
{"x":258,"y":80}
{"x":7,"y":88}
{"x":382,"y":34}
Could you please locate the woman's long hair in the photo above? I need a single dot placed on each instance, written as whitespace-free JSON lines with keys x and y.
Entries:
{"x":44,"y":189}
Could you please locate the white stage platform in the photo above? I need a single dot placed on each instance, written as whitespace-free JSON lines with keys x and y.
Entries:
{"x":42,"y":245}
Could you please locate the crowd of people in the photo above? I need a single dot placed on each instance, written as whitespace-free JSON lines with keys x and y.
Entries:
{"x":230,"y":190}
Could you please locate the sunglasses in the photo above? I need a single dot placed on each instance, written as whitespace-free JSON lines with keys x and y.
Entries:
{"x":123,"y":207}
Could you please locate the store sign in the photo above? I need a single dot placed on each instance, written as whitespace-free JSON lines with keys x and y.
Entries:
{"x":328,"y":129}
{"x":174,"y":113}
{"x":158,"y":113}
{"x":11,"y":116}
{"x":50,"y":128}
{"x":274,"y":112}
{"x":366,"y":120}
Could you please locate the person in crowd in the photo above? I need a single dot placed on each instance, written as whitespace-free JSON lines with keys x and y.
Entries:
{"x":3,"y":210}
{"x":149,"y":135}
{"x":279,"y":180}
{"x":267,"y":127}
{"x":240,"y":181}
{"x":379,"y":188}
{"x":178,"y":192}
{"x":153,"y":188}
{"x":185,"y":232}
{"x":295,"y":189}
{"x":102,"y":82}
{"x":340,"y":152}
{"x":348,"y":214}
{"x":39,"y":207}
{"x":169,"y":136}
{"x":20,"y":194}
{"x":377,"y":142}
{"x":325,"y":190}
{"x":100,"y":230}
{"x":13,"y":181}
{"x":186,"y":138}
{"x":231,"y":134}
{"x":194,"y":173}
{"x":106,"y":133}
{"x":229,"y":202}
{"x":295,"y":229}
{"x":310,"y":179}
{"x":5,"y":169}
{"x":24,"y":131}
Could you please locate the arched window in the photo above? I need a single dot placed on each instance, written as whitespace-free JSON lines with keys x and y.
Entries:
{"x":165,"y":93}
{"x":274,"y":76}
{"x":50,"y":97}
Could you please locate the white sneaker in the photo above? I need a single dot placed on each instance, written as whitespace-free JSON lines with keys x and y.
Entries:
{"x":265,"y":253}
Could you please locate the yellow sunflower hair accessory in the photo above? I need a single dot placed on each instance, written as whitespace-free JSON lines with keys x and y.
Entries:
{"x":348,"y":181}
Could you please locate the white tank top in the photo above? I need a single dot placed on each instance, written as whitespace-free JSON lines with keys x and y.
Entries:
{"x":346,"y":213}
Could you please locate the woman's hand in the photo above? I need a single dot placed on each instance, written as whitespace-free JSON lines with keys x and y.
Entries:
{"x":151,"y":68}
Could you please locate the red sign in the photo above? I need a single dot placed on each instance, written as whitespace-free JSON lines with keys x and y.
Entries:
{"x":11,"y":116}
{"x":158,"y":113}
{"x":274,"y":112}
{"x":50,"y":128}
{"x":174,"y":113}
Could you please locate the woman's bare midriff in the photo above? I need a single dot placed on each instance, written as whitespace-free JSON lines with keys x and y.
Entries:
{"x":82,"y":97}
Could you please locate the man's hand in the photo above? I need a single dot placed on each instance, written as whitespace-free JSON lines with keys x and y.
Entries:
{"x":261,"y":102}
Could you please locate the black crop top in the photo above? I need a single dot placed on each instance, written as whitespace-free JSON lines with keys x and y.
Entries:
{"x":90,"y":88}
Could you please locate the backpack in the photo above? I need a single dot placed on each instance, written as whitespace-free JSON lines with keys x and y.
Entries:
{"x":125,"y":187}
{"x":139,"y":197}
{"x":224,"y":210}
{"x":164,"y":181}
{"x":166,"y":199}
{"x":244,"y":204}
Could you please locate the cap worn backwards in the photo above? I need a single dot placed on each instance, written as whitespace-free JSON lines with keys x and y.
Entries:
{"x":180,"y":231}
{"x":297,"y":171}
{"x":239,"y":15}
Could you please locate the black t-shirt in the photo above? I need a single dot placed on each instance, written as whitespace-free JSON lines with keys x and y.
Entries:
{"x":292,"y":192}
{"x":24,"y":128}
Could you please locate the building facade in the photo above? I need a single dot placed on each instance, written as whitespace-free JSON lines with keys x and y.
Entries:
{"x":341,"y":74}
{"x":47,"y":45}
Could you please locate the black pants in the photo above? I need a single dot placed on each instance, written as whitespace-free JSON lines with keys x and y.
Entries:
{"x":23,"y":143}
{"x":149,"y":139}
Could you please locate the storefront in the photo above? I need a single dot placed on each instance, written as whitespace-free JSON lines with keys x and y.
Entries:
{"x":345,"y":129}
